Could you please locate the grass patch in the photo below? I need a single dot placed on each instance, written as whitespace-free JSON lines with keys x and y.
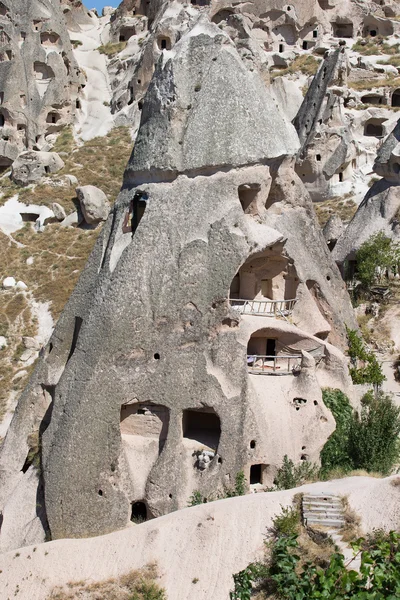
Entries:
{"x":375,"y":46}
{"x":112,"y":49}
{"x":308,"y":65}
{"x":378,"y":82}
{"x":136,"y":585}
{"x":100,"y":161}
{"x":352,"y":528}
{"x":343,"y":206}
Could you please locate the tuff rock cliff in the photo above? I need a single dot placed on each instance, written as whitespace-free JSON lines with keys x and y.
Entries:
{"x":203,"y":327}
{"x":40,"y":78}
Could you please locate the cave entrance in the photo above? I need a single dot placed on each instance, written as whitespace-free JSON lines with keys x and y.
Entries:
{"x":202,"y":425}
{"x":248,"y":193}
{"x":396,"y":97}
{"x":257,"y":473}
{"x":342,"y":30}
{"x":125,"y":33}
{"x":373,"y":129}
{"x":146,"y":420}
{"x":138,"y":512}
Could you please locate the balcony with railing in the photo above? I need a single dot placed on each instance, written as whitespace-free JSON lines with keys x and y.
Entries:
{"x":285,"y":364}
{"x":264,"y":308}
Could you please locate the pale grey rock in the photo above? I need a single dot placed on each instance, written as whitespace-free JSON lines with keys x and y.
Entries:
{"x":21,"y":285}
{"x":35,"y":42}
{"x":30,"y":343}
{"x":3,"y":342}
{"x":31,"y":167}
{"x":59,"y":211}
{"x":72,"y":220}
{"x":379,"y":211}
{"x":9,"y":282}
{"x":387,"y":162}
{"x":94,"y":204}
{"x":333,"y":230}
{"x":253,"y":133}
{"x":107,"y":10}
{"x":71,"y":180}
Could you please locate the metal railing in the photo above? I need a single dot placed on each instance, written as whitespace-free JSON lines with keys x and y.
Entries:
{"x":267,"y":365}
{"x":265,"y":308}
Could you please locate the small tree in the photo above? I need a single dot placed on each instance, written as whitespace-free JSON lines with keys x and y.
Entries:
{"x":374,"y":434}
{"x":370,"y":371}
{"x":375,"y":256}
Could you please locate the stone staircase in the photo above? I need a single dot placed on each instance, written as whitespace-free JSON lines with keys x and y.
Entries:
{"x":324,"y":510}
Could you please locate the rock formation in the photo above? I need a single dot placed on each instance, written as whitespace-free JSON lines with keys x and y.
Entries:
{"x":380,"y":209}
{"x":40,"y":79}
{"x":196,"y":327}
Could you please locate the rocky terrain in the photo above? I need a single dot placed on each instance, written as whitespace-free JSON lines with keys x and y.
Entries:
{"x":157,"y":339}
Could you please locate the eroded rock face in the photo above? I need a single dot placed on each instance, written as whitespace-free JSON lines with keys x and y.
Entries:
{"x":154,"y":366}
{"x":35,"y":42}
{"x":380,"y":209}
{"x":31,"y":166}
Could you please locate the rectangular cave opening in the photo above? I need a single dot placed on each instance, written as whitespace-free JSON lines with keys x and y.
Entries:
{"x":202,"y":425}
{"x":257,"y":474}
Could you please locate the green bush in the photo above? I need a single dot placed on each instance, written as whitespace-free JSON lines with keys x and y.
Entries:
{"x":335,"y":453}
{"x":374,"y":434}
{"x":287,"y":523}
{"x":239,"y":488}
{"x":196,"y":498}
{"x":378,"y":252}
{"x":368,"y":441}
{"x":290,"y":475}
{"x":371,"y":370}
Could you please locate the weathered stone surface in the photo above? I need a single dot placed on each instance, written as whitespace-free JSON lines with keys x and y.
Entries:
{"x":31,"y":166}
{"x":379,"y":211}
{"x":151,"y":334}
{"x":387,"y":162}
{"x":40,"y":79}
{"x":94,"y":204}
{"x":220,"y":84}
{"x":333,"y":229}
{"x":59,"y":211}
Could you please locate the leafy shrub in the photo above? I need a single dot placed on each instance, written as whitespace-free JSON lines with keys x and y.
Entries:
{"x":287,"y":523}
{"x":335,"y":453}
{"x":371,"y":370}
{"x":374,"y":434}
{"x":368,"y":441}
{"x":196,"y":498}
{"x":239,"y":488}
{"x":290,"y":475}
{"x":379,"y":252}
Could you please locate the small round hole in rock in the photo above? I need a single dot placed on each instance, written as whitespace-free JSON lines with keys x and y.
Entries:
{"x":253,"y":444}
{"x":170,"y":496}
{"x":219,"y":460}
{"x":156,"y":356}
{"x":100,"y":492}
{"x":315,"y":403}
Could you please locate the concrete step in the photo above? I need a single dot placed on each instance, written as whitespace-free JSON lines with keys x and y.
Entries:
{"x":325,"y":522}
{"x":337,"y":505}
{"x":321,"y":498}
{"x":323,"y":513}
{"x":320,"y":505}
